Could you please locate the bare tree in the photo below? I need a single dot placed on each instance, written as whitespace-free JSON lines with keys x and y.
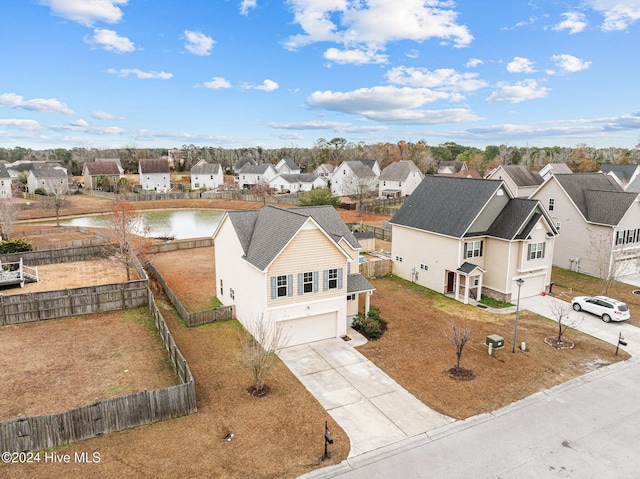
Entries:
{"x":458,"y":335}
{"x":608,"y":259}
{"x":8,"y":215}
{"x":262,"y":190}
{"x":126,"y":232}
{"x":561,"y":311}
{"x":259,"y":352}
{"x":57,"y":190}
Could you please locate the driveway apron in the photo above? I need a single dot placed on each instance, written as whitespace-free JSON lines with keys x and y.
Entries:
{"x":371,"y":408}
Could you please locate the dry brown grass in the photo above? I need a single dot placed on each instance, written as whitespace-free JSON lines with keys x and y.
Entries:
{"x":57,"y":365}
{"x":415,"y":352}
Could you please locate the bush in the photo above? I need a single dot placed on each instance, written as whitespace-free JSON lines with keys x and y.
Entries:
{"x":40,"y":191}
{"x":371,"y":326}
{"x":15,"y":246}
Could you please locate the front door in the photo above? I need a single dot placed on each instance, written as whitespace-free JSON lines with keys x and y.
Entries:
{"x":451,"y":282}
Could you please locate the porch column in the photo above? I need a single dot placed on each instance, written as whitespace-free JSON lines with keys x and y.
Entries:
{"x":367,"y":305}
{"x":479,"y":294}
{"x":456,"y":287}
{"x":466,"y":289}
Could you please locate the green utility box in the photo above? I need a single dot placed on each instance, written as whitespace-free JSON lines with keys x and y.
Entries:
{"x":497,"y":342}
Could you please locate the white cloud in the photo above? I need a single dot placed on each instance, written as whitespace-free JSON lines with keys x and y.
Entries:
{"x":356,"y":57}
{"x":110,"y":41}
{"x":150,"y":75}
{"x":11,"y":100}
{"x":20,"y":124}
{"x":246,"y":5}
{"x":87,"y":12}
{"x":520,"y":65}
{"x":198,"y":43}
{"x":474,"y":62}
{"x":267,"y":85}
{"x":217,"y":83}
{"x":520,"y":91}
{"x":339,"y":126}
{"x":618,"y":14}
{"x":442,"y":78}
{"x":360,"y":23}
{"x":569,"y":63}
{"x":79,"y":123}
{"x":573,"y":21}
{"x":102,"y":115}
{"x":424,"y":117}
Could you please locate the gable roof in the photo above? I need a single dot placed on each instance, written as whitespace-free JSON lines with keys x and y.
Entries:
{"x":516,"y":220}
{"x":297,"y":177}
{"x":623,"y":172}
{"x":463,"y":174}
{"x":255,"y":169}
{"x":154,"y":165}
{"x":523,"y":176}
{"x":4,"y":173}
{"x":455,"y":166}
{"x":264,"y":233}
{"x":445,"y":205}
{"x":598,"y":198}
{"x":48,"y":172}
{"x":109,"y":160}
{"x":361,"y":168}
{"x":102,"y":168}
{"x":242,"y":162}
{"x":326,"y":167}
{"x":288,"y":162}
{"x":204,"y":168}
{"x":556,"y":168}
{"x":399,"y":171}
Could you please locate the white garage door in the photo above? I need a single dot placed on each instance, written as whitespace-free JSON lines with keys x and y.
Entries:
{"x":533,"y":286}
{"x":309,"y":328}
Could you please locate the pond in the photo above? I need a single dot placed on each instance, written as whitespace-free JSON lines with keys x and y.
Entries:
{"x":176,"y":224}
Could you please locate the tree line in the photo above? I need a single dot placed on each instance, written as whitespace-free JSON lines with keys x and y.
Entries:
{"x":580,"y":158}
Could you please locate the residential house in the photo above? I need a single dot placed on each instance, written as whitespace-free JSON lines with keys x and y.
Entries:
{"x":284,"y":183}
{"x":263,"y":268}
{"x":469,"y":237}
{"x":111,"y":160}
{"x":155,"y":174}
{"x":238,"y":165}
{"x":451,"y":167}
{"x":252,"y":175}
{"x":286,"y":166}
{"x":624,"y":175}
{"x":20,"y":167}
{"x":554,"y":169}
{"x":325,"y":171}
{"x":520,"y":180}
{"x":399,"y":179}
{"x":469,"y":173}
{"x":599,"y":223}
{"x":5,"y":183}
{"x":91,"y":171}
{"x":50,"y":180}
{"x":355,"y":178}
{"x":206,"y":176}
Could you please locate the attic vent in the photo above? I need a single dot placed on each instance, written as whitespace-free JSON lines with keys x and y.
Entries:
{"x":499,"y":193}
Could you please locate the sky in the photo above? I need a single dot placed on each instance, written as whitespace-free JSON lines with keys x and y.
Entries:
{"x":274,"y":74}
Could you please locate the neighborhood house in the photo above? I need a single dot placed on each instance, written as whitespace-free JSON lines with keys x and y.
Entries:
{"x":264,"y":267}
{"x":155,"y":174}
{"x":206,"y":176}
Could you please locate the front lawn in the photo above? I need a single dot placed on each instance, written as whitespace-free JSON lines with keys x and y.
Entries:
{"x":415,"y":352}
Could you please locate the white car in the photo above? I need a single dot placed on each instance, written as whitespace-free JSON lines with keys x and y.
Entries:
{"x":608,"y":309}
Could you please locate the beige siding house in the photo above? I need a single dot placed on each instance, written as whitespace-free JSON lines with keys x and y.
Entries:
{"x":470,"y":237}
{"x":519,"y":179}
{"x":264,"y":268}
{"x":593,"y":215}
{"x":91,"y":171}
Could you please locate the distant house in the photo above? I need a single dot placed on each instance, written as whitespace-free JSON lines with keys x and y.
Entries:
{"x":399,"y":179}
{"x":19,"y":167}
{"x":49,"y":180}
{"x":110,"y":160}
{"x":594,"y":217}
{"x":463,"y":174}
{"x":325,"y":171}
{"x":206,"y":176}
{"x":91,"y":171}
{"x":285,"y":183}
{"x":520,"y":180}
{"x":252,"y":175}
{"x":451,"y":167}
{"x":469,"y":237}
{"x":237,"y":166}
{"x":264,"y":268}
{"x":286,"y":166}
{"x":155,"y":174}
{"x":5,"y":183}
{"x":355,"y":178}
{"x":554,"y":169}
{"x":624,"y":175}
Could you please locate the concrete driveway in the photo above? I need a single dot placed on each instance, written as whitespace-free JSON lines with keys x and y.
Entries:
{"x":371,"y":408}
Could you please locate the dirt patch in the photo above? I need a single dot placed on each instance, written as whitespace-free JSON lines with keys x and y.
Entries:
{"x":73,"y":275}
{"x":418,"y":317}
{"x":57,"y":365}
{"x":191,"y":276}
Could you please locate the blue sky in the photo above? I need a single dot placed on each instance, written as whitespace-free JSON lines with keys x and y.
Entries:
{"x":246,"y":73}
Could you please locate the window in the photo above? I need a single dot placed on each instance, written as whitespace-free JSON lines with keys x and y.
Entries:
{"x":221,"y":289}
{"x":473,"y":249}
{"x":424,"y":267}
{"x":281,"y":286}
{"x":332,"y":278}
{"x":307,"y":282}
{"x":536,"y":250}
{"x":619,"y":237}
{"x":232,"y":293}
{"x":196,"y":185}
{"x":552,"y":203}
{"x":399,"y":259}
{"x":351,"y":297}
{"x":476,"y":280}
{"x":558,"y":226}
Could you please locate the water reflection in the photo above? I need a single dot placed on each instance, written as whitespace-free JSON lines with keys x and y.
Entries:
{"x":177,"y":224}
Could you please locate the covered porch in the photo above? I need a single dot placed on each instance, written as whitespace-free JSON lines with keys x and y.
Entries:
{"x":465,"y":283}
{"x":357,"y":287}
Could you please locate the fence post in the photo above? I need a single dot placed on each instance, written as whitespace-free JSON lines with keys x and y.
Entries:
{"x":2,"y":318}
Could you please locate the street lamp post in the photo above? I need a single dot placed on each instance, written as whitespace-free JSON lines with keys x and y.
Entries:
{"x":519,"y":282}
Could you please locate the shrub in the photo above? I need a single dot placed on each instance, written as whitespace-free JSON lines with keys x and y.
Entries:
{"x":40,"y":191}
{"x":17,"y":245}
{"x":367,"y":326}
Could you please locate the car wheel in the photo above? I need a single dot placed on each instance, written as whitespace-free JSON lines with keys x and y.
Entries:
{"x":576,"y":307}
{"x":606,"y":318}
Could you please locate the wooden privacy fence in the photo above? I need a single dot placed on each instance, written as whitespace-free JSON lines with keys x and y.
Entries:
{"x":29,"y":307}
{"x":376,"y":267}
{"x":380,"y":233}
{"x":176,"y":245}
{"x":223,"y":313}
{"x":383,"y":206}
{"x":53,"y":256}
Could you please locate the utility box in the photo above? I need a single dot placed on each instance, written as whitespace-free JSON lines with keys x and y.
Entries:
{"x":496,"y":342}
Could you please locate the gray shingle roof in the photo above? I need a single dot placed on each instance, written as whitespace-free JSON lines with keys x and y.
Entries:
{"x":559,"y":168}
{"x":598,"y":197}
{"x":48,"y":173}
{"x":204,"y":168}
{"x":624,"y":172}
{"x":4,"y":173}
{"x":264,"y":233}
{"x":299,"y":178}
{"x":445,"y":205}
{"x":510,"y":222}
{"x":357,"y":283}
{"x":290,"y":164}
{"x":242,"y":162}
{"x":467,"y":268}
{"x":154,"y":165}
{"x":361,"y":169}
{"x":102,"y":168}
{"x":399,"y":171}
{"x":452,"y":165}
{"x":634,"y":186}
{"x":523,"y":176}
{"x":254,"y":169}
